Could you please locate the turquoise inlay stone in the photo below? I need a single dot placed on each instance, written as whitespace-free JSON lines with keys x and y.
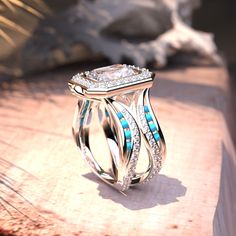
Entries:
{"x":120,"y":115}
{"x":124,"y":124}
{"x":157,"y":136}
{"x":129,"y":146}
{"x":106,"y":113}
{"x":85,"y":108}
{"x":148,"y":117}
{"x":146,"y":109}
{"x":152,"y":127}
{"x":128,"y":134}
{"x":81,"y":121}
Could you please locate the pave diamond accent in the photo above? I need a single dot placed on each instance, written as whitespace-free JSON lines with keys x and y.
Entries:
{"x":153,"y":142}
{"x":111,"y":77}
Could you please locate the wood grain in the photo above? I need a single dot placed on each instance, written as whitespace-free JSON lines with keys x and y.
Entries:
{"x":59,"y":196}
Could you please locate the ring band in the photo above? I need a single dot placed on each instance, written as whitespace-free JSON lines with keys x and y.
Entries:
{"x":114,"y":115}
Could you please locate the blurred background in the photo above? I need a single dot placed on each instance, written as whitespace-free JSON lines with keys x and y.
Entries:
{"x":41,"y":35}
{"x":219,"y":18}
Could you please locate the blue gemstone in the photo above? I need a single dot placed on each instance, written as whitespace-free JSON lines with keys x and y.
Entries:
{"x":120,"y":115}
{"x":81,"y":121}
{"x":106,"y":113}
{"x":152,"y":127}
{"x":128,"y":134}
{"x":124,"y":124}
{"x":85,"y":108}
{"x":157,"y":136}
{"x":148,"y":117}
{"x":146,"y":109}
{"x":129,"y":146}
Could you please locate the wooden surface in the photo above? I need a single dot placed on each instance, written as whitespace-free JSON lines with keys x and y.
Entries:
{"x":59,"y":196}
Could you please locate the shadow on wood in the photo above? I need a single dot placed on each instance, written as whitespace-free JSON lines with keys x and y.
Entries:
{"x":166,"y":191}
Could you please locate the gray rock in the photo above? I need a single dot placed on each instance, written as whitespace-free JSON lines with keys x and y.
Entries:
{"x":140,"y":31}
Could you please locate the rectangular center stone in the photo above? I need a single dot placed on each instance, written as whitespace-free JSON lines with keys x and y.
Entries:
{"x":114,"y":72}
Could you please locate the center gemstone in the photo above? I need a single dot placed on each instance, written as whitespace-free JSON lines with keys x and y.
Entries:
{"x":113,"y":72}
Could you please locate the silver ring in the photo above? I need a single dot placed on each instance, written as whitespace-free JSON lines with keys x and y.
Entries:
{"x":114,"y":125}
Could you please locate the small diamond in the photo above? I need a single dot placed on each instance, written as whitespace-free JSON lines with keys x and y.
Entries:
{"x":145,"y":129}
{"x":136,"y":147}
{"x":149,"y":135}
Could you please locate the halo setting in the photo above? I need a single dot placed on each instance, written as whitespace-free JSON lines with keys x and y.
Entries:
{"x":110,"y":78}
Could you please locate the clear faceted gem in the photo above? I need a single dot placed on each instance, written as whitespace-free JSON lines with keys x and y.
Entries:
{"x":113,"y":72}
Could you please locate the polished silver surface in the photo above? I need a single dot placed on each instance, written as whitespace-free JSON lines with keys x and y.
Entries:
{"x":133,"y":146}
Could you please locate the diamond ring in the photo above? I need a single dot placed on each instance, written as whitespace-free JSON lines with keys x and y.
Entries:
{"x":114,"y":125}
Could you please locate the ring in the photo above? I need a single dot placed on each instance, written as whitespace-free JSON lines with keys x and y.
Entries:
{"x":114,"y":125}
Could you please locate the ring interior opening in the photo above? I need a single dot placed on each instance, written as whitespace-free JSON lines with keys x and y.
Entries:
{"x":98,"y":142}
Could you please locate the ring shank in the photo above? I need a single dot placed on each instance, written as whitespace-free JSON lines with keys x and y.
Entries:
{"x":100,"y":136}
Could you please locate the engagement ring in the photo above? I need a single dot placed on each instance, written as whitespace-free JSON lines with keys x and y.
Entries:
{"x":114,"y":125}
